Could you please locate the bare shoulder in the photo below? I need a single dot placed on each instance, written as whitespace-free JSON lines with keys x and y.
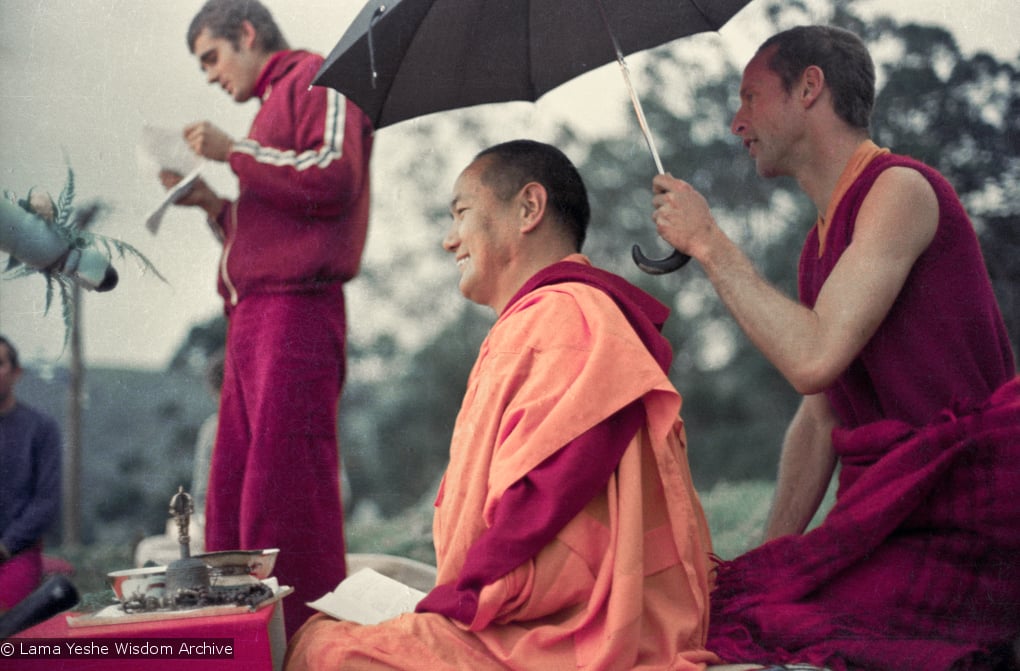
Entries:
{"x":904,"y":181}
{"x":901,"y":207}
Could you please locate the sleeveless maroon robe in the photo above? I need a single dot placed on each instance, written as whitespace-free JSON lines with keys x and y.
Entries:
{"x":918,"y":564}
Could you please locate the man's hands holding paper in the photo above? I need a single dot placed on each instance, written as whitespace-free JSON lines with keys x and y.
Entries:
{"x":179,"y":168}
{"x":208,"y":141}
{"x":201,"y":140}
{"x":197,"y":194}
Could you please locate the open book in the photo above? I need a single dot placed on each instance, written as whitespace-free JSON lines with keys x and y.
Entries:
{"x":368,"y":597}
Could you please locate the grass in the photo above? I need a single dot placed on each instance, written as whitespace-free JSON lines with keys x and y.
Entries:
{"x":407,"y":535}
{"x":736,"y":515}
{"x":91,"y":564}
{"x":737,"y":512}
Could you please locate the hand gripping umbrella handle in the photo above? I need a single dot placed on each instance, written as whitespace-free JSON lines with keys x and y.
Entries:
{"x":677,"y":259}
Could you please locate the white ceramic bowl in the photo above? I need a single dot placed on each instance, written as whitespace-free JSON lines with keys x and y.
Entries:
{"x":149,"y":581}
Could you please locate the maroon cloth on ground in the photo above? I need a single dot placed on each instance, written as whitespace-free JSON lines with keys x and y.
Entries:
{"x":917,"y":564}
{"x":537,"y":507}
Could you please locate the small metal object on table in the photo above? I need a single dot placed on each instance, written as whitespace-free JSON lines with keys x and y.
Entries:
{"x":188,"y":577}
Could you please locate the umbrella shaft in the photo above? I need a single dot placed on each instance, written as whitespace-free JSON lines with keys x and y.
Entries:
{"x":638,"y":110}
{"x":645,"y":130}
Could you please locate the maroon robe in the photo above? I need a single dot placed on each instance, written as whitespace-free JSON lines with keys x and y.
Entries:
{"x":917,"y":567}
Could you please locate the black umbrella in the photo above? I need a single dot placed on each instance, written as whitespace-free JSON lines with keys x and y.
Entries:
{"x":402,"y":59}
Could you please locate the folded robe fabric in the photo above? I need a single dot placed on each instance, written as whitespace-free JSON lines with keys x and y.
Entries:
{"x":916,"y":567}
{"x":537,"y":507}
{"x":624,"y":584}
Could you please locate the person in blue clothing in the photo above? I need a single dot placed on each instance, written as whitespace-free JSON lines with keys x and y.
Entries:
{"x":30,"y":456}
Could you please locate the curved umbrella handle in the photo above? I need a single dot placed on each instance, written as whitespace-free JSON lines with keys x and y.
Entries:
{"x":674,"y":261}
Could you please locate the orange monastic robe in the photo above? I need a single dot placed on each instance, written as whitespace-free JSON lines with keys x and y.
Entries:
{"x":625,"y":584}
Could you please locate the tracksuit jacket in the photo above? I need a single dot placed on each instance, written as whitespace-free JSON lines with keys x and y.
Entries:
{"x":301,"y":217}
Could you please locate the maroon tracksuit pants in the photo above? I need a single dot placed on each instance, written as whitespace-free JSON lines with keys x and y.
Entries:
{"x":274,"y":479}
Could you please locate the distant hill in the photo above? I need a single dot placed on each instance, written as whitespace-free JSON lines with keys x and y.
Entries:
{"x":138,"y":442}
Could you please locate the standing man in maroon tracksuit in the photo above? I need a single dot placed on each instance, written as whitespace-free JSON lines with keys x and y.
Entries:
{"x":291,"y":239}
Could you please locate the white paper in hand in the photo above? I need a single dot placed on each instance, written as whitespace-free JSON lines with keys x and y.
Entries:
{"x":167,"y":150}
{"x":182,"y":187}
{"x":369,"y":597}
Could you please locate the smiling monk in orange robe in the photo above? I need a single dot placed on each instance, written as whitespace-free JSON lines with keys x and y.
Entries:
{"x":568,"y":533}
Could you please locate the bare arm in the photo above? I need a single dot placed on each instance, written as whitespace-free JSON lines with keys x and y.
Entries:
{"x":805,"y":468}
{"x":811,"y":347}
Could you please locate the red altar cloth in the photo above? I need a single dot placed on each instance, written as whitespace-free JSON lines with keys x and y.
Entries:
{"x":258,"y":643}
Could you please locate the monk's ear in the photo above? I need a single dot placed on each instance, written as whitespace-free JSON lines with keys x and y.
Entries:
{"x":811,"y":85}
{"x":532,"y":200}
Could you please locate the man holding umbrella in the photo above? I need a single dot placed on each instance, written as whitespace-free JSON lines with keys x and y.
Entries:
{"x":568,"y":533}
{"x":909,"y":384}
{"x":291,"y":239}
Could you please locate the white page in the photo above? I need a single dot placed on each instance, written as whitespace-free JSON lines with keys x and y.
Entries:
{"x":167,"y":150}
{"x":182,"y":187}
{"x":368,"y":597}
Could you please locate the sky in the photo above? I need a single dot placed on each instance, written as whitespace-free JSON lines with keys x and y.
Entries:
{"x":81,"y":80}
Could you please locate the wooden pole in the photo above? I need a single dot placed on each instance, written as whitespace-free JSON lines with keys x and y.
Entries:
{"x":72,"y":456}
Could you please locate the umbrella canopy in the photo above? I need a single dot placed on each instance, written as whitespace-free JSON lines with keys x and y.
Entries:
{"x":402,"y":59}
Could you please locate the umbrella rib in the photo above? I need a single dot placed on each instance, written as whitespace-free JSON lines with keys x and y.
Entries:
{"x":389,"y":82}
{"x":532,"y":93}
{"x":371,"y":47}
{"x":704,"y":15}
{"x":635,"y":100}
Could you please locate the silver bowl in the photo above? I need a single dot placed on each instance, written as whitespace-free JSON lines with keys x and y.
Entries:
{"x":229,"y":568}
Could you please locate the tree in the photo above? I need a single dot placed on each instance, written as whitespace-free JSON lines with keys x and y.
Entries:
{"x":203,"y":340}
{"x":413,"y":432}
{"x":957,"y":113}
